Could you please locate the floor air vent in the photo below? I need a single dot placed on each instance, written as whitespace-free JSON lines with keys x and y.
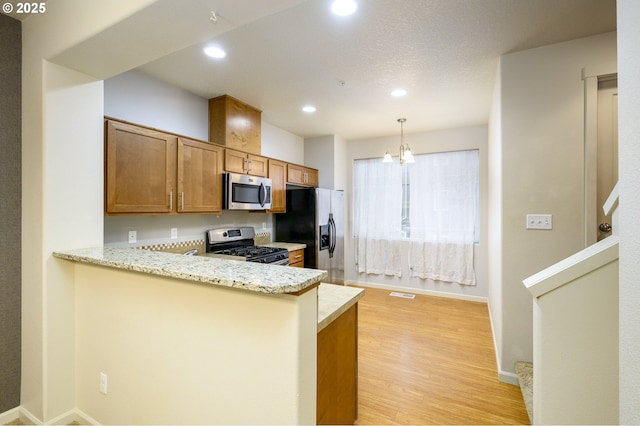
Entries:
{"x":403,"y":295}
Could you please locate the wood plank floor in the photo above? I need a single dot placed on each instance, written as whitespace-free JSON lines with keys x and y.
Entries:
{"x":430,"y":360}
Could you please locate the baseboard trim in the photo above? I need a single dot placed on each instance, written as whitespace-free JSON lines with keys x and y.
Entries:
{"x":27,"y":417}
{"x":73,"y":415}
{"x":64,"y":419}
{"x":507,"y":377}
{"x":424,"y":292}
{"x":9,"y":415}
{"x":503,"y":376}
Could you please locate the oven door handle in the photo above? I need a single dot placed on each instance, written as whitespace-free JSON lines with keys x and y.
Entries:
{"x":262,"y":195}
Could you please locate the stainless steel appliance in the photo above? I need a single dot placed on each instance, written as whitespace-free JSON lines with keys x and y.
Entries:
{"x":315,"y":217}
{"x":245,"y":192}
{"x":239,"y":242}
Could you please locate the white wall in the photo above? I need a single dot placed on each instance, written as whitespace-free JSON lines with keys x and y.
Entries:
{"x":494,"y":222}
{"x":329,"y":155}
{"x":541,"y":170}
{"x":629,"y":208}
{"x":282,"y":145}
{"x":139,"y":98}
{"x":62,"y":186}
{"x":437,"y":141}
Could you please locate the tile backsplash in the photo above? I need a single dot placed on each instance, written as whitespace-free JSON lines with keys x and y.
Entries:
{"x":156,"y":230}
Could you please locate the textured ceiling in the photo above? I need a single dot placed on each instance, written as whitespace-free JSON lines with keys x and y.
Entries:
{"x":283,"y":54}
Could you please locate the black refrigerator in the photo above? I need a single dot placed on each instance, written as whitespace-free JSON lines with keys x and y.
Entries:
{"x":315,"y":217}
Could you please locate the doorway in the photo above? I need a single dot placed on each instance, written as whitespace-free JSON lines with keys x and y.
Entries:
{"x":600,"y":146}
{"x":607,"y":151}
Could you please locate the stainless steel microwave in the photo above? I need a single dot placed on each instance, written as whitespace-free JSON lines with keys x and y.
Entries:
{"x":244,"y":192}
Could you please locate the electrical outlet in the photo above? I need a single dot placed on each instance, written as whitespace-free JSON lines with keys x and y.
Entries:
{"x":133,"y":237}
{"x":539,"y":221}
{"x":174,"y":233}
{"x":103,"y":383}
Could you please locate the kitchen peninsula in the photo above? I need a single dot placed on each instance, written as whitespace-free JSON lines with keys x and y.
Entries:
{"x":188,"y":340}
{"x":193,"y":340}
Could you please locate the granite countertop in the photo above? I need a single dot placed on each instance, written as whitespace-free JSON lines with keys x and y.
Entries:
{"x":251,"y":276}
{"x":288,"y":246}
{"x":334,"y":300}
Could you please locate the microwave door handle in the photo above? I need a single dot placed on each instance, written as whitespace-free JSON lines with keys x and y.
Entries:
{"x":262,"y":199}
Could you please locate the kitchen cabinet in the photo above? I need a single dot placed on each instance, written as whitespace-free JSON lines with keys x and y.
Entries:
{"x":296,"y":258}
{"x":245,"y":163}
{"x":148,"y":171}
{"x":337,"y":375}
{"x":199,"y":177}
{"x":140,"y":169}
{"x":235,"y":124}
{"x":278,"y":176}
{"x":301,"y":175}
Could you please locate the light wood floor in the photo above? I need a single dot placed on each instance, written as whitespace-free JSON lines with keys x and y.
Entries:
{"x":430,"y":360}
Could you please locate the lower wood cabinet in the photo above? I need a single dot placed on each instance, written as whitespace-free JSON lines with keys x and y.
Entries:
{"x":296,"y":258}
{"x":337,"y":393}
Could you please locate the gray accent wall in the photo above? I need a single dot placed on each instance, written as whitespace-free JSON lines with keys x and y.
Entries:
{"x":10,"y":210}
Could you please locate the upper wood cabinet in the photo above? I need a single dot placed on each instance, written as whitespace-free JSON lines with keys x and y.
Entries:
{"x":234,"y":124}
{"x":242,"y":162}
{"x":300,"y":175}
{"x":199,"y":177}
{"x":140,"y":169}
{"x":278,"y":176}
{"x":151,"y":172}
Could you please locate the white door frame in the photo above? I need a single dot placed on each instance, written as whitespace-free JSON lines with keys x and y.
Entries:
{"x":590,"y":76}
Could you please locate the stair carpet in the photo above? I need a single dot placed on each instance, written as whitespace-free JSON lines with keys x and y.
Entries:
{"x":524,"y":371}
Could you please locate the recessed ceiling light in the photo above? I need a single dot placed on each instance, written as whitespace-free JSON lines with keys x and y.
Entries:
{"x":344,"y":7}
{"x":309,"y":108}
{"x":398,"y":93}
{"x":215,"y":52}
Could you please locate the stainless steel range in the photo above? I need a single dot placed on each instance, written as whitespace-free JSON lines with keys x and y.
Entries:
{"x":239,"y":242}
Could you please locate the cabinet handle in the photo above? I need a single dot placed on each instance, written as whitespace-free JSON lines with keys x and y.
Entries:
{"x":171,"y":200}
{"x":245,"y":166}
{"x":298,"y":256}
{"x":250,"y":165}
{"x":182,"y":197}
{"x":305,"y":177}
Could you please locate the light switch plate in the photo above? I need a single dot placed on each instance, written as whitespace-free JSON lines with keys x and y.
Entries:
{"x":539,"y":221}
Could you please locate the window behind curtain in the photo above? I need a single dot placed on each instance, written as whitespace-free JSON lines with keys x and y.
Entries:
{"x":432,"y":203}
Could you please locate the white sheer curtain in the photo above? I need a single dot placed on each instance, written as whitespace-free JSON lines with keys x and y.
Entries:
{"x":377,"y":216}
{"x":443,"y":213}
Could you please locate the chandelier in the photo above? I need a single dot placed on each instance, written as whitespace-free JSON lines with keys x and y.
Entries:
{"x":405,"y":152}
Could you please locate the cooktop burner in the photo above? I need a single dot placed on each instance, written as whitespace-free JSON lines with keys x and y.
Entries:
{"x":239,"y":242}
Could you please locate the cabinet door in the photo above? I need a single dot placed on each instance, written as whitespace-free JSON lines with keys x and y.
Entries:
{"x":337,"y":374}
{"x":199,"y":177}
{"x":296,"y":258}
{"x":140,"y":169}
{"x":235,"y":161}
{"x":312,"y":177}
{"x":300,"y":175}
{"x":258,"y":166}
{"x":295,"y":174}
{"x":277,"y":174}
